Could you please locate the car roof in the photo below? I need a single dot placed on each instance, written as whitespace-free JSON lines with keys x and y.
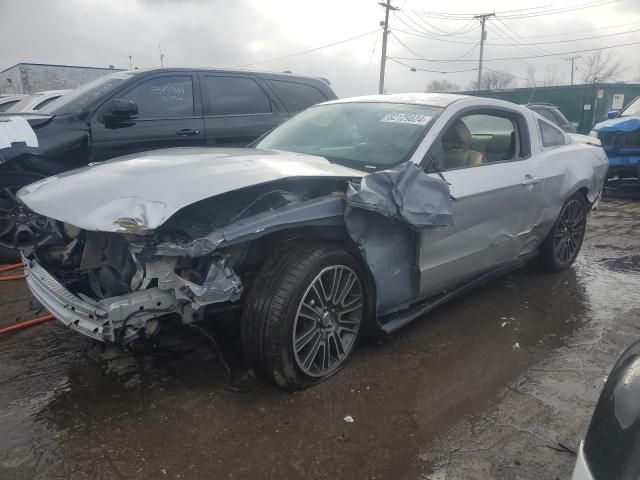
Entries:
{"x":281,"y":75}
{"x":426,"y":99}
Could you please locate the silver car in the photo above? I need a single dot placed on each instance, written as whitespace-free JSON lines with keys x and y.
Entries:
{"x":356,"y":215}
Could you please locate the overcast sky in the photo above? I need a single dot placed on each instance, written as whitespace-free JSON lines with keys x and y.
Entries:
{"x":231,"y":33}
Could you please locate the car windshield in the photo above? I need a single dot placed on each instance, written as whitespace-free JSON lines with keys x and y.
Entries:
{"x":632,"y":110}
{"x":76,"y":99}
{"x":366,"y":136}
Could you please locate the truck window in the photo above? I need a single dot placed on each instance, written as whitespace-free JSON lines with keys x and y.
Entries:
{"x":297,"y":96}
{"x":546,"y":114}
{"x":235,"y":96}
{"x":163,"y":97}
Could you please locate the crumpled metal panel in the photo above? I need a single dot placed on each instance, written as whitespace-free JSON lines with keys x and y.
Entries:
{"x":382,"y":216}
{"x":405,"y":193}
{"x":319,"y":211}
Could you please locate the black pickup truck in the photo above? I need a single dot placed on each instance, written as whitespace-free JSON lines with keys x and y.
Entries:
{"x":129,"y":112}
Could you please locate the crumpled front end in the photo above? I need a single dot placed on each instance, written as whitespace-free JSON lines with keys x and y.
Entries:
{"x":107,"y":289}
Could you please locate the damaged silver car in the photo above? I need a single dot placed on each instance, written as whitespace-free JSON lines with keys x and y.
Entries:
{"x":355,"y":215}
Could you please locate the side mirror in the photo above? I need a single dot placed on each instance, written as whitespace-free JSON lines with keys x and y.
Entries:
{"x":119,"y":110}
{"x":613,"y":113}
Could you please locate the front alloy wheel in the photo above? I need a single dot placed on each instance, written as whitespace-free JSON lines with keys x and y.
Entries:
{"x":327,"y":321}
{"x":304,"y":314}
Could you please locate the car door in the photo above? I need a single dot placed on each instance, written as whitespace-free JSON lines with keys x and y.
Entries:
{"x":496,"y":201}
{"x":238,"y":109}
{"x":169,"y":115}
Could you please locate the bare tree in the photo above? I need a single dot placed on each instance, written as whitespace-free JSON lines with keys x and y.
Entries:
{"x":549,"y":78}
{"x":531,"y":76}
{"x":492,"y":80}
{"x":601,"y":66}
{"x":442,"y":86}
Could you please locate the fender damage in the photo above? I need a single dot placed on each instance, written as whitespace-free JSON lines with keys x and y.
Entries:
{"x":160,"y":256}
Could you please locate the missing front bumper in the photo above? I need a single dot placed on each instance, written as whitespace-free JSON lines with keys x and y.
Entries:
{"x":102,"y":320}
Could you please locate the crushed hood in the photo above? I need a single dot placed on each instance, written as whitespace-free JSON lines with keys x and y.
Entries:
{"x":621,"y":124}
{"x":138,"y":193}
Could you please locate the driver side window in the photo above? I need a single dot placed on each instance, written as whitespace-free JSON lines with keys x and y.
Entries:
{"x":163,"y":97}
{"x":474,"y":140}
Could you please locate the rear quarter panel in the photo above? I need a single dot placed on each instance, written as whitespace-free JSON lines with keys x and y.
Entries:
{"x":566,"y":170}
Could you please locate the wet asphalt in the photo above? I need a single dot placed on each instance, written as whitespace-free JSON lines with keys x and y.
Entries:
{"x":491,"y":385}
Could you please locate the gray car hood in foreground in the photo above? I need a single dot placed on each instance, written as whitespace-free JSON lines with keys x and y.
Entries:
{"x":150,"y":187}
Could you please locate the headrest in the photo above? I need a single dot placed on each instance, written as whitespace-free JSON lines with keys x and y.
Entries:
{"x":457,"y":133}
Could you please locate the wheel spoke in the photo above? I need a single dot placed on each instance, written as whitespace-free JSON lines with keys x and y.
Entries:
{"x":335,"y":285}
{"x":304,"y":339}
{"x":321,"y":297}
{"x":313,"y":353}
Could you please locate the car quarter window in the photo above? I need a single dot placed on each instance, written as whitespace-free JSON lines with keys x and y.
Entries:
{"x":235,"y":96}
{"x":297,"y":96}
{"x":476,"y":139}
{"x":551,"y":136}
{"x":163,"y":97}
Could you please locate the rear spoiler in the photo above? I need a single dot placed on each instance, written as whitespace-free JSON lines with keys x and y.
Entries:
{"x":576,"y":137}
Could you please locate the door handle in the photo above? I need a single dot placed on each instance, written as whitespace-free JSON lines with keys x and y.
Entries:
{"x":187,"y":132}
{"x":529,"y":180}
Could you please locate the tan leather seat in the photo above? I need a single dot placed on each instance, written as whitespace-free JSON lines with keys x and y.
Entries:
{"x":455,"y":142}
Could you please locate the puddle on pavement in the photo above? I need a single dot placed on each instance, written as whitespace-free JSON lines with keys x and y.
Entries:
{"x":168,"y":413}
{"x":629,"y":263}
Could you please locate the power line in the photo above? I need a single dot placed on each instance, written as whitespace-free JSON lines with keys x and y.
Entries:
{"x":571,"y":40}
{"x":366,"y":72}
{"x":513,"y":35}
{"x":420,"y":57}
{"x":306,"y":51}
{"x":557,"y":54}
{"x":514,"y":14}
{"x":563,"y":9}
{"x":431,"y":38}
{"x":439,"y":31}
{"x":580,"y":31}
{"x":393,"y":59}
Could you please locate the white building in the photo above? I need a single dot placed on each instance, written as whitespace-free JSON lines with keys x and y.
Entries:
{"x":36,"y":77}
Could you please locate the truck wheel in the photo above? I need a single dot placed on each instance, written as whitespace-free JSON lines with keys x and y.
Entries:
{"x":19,"y":226}
{"x":561,"y":247}
{"x":304,"y":315}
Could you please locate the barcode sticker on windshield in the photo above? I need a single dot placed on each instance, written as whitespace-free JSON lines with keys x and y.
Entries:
{"x":410,"y":118}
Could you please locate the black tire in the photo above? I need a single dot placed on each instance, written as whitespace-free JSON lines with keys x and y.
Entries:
{"x":12,"y":181}
{"x":274,"y":314}
{"x":561,"y":247}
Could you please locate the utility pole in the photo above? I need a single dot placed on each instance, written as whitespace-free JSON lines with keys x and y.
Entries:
{"x":130,"y":62}
{"x":385,"y":30}
{"x":572,"y":59}
{"x":161,"y":56}
{"x":483,"y":36}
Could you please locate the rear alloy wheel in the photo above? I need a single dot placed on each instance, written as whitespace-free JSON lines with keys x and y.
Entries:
{"x":19,"y":226}
{"x":304,"y":315}
{"x":562,"y":246}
